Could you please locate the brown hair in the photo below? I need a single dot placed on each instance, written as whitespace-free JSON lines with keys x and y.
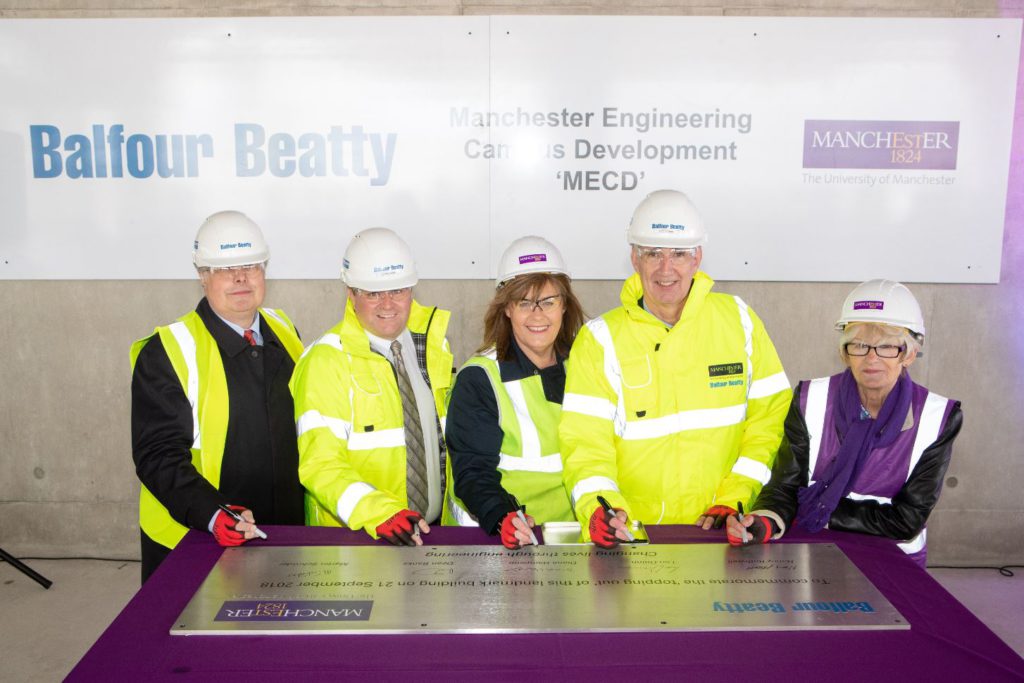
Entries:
{"x":498,"y":327}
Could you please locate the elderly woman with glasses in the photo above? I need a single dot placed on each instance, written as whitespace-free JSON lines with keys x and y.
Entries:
{"x":865,"y":450}
{"x":502,"y":427}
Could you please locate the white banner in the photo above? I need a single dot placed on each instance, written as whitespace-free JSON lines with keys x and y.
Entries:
{"x":816,"y":149}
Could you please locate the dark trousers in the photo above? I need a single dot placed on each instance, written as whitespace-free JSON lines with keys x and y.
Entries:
{"x":152,"y":555}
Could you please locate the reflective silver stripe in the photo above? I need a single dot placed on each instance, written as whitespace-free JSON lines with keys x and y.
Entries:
{"x":385,"y":438}
{"x":705,"y":418}
{"x":590,"y":485}
{"x":313,"y":419}
{"x":351,"y":497}
{"x":461,"y":515}
{"x":817,"y":399}
{"x":187,"y":345}
{"x":753,"y":469}
{"x":588,"y":405}
{"x":767,"y":386}
{"x":528,"y":436}
{"x":929,"y":427}
{"x":331,"y":340}
{"x":748,"y":336}
{"x":271,"y":313}
{"x":910,"y":547}
{"x":864,"y":496}
{"x":916,"y":544}
{"x":443,"y":419}
{"x":544,"y":463}
{"x":532,"y":459}
{"x":612,"y":370}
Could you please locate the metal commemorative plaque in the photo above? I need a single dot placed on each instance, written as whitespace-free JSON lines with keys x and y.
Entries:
{"x":488,"y":589}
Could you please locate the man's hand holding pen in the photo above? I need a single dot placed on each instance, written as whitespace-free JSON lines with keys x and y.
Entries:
{"x":403,"y":528}
{"x":608,"y":525}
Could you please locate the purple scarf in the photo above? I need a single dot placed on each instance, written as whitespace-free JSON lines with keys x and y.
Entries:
{"x":857,"y":438}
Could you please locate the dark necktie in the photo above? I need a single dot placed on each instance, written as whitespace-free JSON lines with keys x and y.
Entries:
{"x":415,"y":453}
{"x":250,"y":337}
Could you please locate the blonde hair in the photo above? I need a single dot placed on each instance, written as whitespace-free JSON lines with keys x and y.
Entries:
{"x":901,"y":335}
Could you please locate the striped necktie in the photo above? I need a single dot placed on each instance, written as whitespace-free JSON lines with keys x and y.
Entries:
{"x":250,"y":337}
{"x":417,"y":490}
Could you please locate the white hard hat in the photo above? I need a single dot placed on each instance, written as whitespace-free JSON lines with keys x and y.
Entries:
{"x":377,"y":260}
{"x":666,"y":218}
{"x":227,"y":239}
{"x":886,"y":302}
{"x":529,"y":255}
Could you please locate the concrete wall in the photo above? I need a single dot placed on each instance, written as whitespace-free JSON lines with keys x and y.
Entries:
{"x":67,"y":484}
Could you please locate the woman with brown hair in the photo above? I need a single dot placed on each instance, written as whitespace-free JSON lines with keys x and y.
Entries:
{"x":502,"y":425}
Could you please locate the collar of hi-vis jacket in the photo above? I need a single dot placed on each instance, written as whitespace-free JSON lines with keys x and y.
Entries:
{"x":431,"y":321}
{"x":633,"y":290}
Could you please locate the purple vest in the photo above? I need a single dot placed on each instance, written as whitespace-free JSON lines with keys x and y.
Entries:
{"x":885,"y":470}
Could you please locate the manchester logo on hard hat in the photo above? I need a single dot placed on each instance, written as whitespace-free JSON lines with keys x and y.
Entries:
{"x":295,"y":610}
{"x":868,"y":305}
{"x":533,"y":258}
{"x":907,"y":145}
{"x":668,"y":226}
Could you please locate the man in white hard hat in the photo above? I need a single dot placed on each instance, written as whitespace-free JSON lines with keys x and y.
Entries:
{"x":369,"y":397}
{"x":675,"y":401}
{"x":212,"y":417}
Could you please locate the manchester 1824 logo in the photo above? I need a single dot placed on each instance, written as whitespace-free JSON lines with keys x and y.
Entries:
{"x":925,"y":145}
{"x":295,"y":610}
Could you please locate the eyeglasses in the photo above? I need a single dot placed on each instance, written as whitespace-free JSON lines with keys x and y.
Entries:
{"x":675,"y":256}
{"x":546,"y":304}
{"x":394,"y":294}
{"x":249,"y":270}
{"x":882,"y":350}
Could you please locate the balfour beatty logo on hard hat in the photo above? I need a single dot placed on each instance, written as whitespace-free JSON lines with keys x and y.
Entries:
{"x":392,"y":268}
{"x":667,"y":226}
{"x":868,"y":305}
{"x":235,"y":245}
{"x":533,"y":258}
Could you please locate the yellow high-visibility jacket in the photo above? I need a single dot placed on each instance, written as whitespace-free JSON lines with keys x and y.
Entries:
{"x":529,"y":462}
{"x":348,"y":415}
{"x":665,"y":423}
{"x":196,"y":360}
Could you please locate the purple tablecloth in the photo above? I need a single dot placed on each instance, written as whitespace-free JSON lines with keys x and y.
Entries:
{"x":945,"y":642}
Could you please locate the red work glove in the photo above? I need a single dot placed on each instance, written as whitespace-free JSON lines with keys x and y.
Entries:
{"x":509,"y":528}
{"x":399,"y":528}
{"x":715,"y":517}
{"x":601,"y":532}
{"x":760,"y":529}
{"x":224,"y":528}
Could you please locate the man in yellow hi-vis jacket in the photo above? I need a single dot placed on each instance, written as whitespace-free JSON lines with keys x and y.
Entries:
{"x":675,"y":401}
{"x":369,"y":400}
{"x":211,"y":411}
